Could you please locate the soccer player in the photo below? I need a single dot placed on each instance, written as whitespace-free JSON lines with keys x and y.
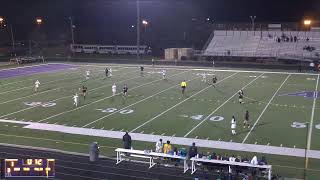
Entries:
{"x":87,"y":75}
{"x":141,"y":70}
{"x":84,"y":92}
{"x":241,"y":92}
{"x":75,"y":100}
{"x":183,"y":86}
{"x":214,"y":81}
{"x":240,"y":97}
{"x":246,"y":120}
{"x":233,"y":125}
{"x":204,"y":77}
{"x":125,"y":90}
{"x":110,"y":72}
{"x":107,"y":72}
{"x":36,"y":86}
{"x":164,"y":74}
{"x":114,"y":89}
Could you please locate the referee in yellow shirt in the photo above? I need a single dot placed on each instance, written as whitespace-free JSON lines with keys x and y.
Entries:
{"x":183,"y":86}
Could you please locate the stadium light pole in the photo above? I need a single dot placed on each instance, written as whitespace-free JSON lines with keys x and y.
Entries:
{"x":71,"y":30}
{"x":138,"y":29}
{"x":145,"y":24}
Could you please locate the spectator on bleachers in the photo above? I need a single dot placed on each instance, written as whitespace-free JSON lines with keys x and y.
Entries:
{"x":218,"y":157}
{"x":159,"y":146}
{"x":254,"y":160}
{"x":263,"y":161}
{"x":126,"y":141}
{"x":245,"y":159}
{"x":295,"y":39}
{"x":167,"y":147}
{"x":238,"y":159}
{"x":214,"y":156}
{"x":225,"y":157}
{"x":232,"y":159}
{"x":193,"y":150}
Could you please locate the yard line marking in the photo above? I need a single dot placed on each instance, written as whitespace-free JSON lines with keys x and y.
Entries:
{"x":136,"y":102}
{"x":104,"y":98}
{"x":141,"y":132}
{"x":121,"y":130}
{"x":265,"y":108}
{"x":214,"y":111}
{"x":152,"y":133}
{"x":111,"y":129}
{"x":172,"y":107}
{"x":163,"y":134}
{"x":70,"y":96}
{"x":315,"y":96}
{"x":47,"y":82}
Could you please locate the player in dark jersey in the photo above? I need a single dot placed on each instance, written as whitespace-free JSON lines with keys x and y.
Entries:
{"x":214,"y":81}
{"x":246,"y":120}
{"x":240,"y":93}
{"x":84,"y":92}
{"x":107,"y":72}
{"x":125,"y":90}
{"x":141,"y":70}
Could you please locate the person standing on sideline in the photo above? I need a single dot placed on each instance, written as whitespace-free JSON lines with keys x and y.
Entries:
{"x":152,"y":62}
{"x":126,"y":141}
{"x":159,"y":146}
{"x":193,"y":150}
{"x":213,"y":63}
{"x":233,"y":125}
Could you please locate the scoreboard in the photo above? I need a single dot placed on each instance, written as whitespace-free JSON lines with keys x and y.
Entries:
{"x":29,"y":167}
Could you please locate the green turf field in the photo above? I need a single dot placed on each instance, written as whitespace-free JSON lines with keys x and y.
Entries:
{"x":154,"y":106}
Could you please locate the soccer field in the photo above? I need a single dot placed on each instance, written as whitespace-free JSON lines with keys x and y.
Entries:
{"x":284,"y":109}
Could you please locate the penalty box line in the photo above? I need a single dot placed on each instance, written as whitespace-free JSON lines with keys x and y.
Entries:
{"x":172,"y":107}
{"x":103,"y":98}
{"x":265,"y":108}
{"x":221,"y":106}
{"x":136,"y":102}
{"x":68,"y":96}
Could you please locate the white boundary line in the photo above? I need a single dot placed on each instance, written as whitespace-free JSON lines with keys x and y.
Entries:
{"x":265,"y":108}
{"x":221,"y":106}
{"x":172,"y":107}
{"x":71,"y":96}
{"x":210,"y":69}
{"x":103,"y":98}
{"x":312,"y":115}
{"x":137,"y":102}
{"x":24,"y":67}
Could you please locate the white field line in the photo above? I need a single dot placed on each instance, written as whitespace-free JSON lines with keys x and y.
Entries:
{"x":69,"y":96}
{"x":49,"y":90}
{"x":172,"y":107}
{"x":265,"y":108}
{"x":99,"y":100}
{"x":195,"y":127}
{"x":136,"y":102}
{"x":23,"y":67}
{"x":218,"y":70}
{"x":47,"y":82}
{"x":312,"y":114}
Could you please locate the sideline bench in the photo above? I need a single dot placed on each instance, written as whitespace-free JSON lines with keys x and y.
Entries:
{"x":148,"y":155}
{"x":230,"y":164}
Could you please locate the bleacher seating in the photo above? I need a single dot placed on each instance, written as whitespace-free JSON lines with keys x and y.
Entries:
{"x":264,"y":44}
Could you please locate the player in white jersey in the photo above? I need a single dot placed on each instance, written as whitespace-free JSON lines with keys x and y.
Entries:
{"x":204,"y":77}
{"x":164,"y":72}
{"x":114,"y":89}
{"x":87,"y":75}
{"x":110,"y":72}
{"x":233,"y":125}
{"x":75,"y":100}
{"x":36,"y":86}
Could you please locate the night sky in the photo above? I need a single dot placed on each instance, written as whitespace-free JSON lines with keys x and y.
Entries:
{"x":109,"y":21}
